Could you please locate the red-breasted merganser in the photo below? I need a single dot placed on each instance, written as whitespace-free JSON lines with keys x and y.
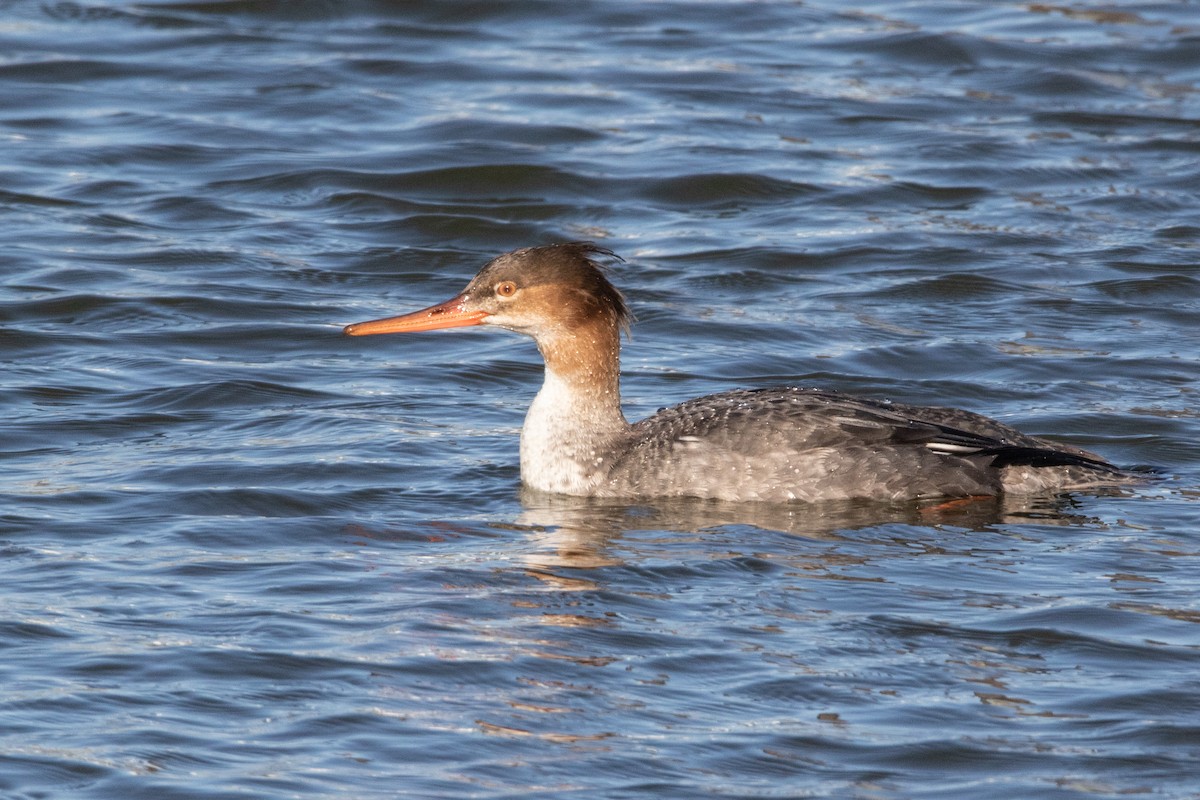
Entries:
{"x":780,"y":444}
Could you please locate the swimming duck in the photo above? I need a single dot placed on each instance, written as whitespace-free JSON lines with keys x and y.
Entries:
{"x":774,"y":444}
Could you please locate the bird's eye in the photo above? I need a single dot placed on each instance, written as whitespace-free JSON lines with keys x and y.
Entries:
{"x":506,"y":289}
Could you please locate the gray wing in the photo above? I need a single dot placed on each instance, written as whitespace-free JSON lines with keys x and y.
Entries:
{"x":819,"y":444}
{"x":808,"y":419}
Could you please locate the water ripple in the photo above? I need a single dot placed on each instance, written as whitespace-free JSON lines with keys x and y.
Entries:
{"x":245,"y":556}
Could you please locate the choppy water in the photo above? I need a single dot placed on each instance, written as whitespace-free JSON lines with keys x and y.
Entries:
{"x":244,"y":556}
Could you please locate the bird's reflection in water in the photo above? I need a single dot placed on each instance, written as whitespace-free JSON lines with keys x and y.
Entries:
{"x":579,"y":533}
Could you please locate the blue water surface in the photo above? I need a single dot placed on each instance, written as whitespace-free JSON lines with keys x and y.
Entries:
{"x":243,"y":556}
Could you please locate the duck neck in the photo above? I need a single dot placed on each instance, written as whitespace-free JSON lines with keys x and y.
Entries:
{"x":576,"y":418}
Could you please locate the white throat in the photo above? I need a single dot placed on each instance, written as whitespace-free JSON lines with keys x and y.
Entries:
{"x":568,"y":434}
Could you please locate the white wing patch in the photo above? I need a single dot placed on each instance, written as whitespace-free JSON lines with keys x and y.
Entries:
{"x":947,"y":447}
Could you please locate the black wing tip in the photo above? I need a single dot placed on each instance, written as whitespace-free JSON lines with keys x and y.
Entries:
{"x":1018,"y":456}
